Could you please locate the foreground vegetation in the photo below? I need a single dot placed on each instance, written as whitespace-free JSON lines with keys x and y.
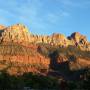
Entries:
{"x":40,"y":82}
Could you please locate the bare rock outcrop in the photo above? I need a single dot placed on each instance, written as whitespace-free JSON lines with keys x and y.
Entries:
{"x":77,"y":37}
{"x":19,"y":34}
{"x":80,"y":40}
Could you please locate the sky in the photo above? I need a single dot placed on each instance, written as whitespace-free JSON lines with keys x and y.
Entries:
{"x":48,"y":16}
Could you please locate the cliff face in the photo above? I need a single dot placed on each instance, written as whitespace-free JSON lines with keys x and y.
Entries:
{"x":19,"y":48}
{"x":16,"y":51}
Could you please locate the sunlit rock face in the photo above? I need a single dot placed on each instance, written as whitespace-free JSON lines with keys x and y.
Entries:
{"x":19,"y":33}
{"x":26,"y":58}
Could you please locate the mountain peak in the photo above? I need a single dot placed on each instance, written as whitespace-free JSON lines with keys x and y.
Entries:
{"x":15,"y":33}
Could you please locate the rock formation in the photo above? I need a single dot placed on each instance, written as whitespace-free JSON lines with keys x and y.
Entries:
{"x":17,"y":45}
{"x":17,"y":33}
{"x":80,"y":40}
{"x":77,"y":37}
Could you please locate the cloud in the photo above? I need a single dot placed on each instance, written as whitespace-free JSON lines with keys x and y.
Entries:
{"x":19,"y":10}
{"x":75,"y":3}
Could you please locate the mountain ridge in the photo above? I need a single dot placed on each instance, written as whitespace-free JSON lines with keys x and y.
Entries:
{"x":19,"y":33}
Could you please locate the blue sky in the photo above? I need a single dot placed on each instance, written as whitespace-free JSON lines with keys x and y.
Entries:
{"x":48,"y":16}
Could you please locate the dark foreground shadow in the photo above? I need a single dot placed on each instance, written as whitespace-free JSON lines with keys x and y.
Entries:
{"x":29,"y":81}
